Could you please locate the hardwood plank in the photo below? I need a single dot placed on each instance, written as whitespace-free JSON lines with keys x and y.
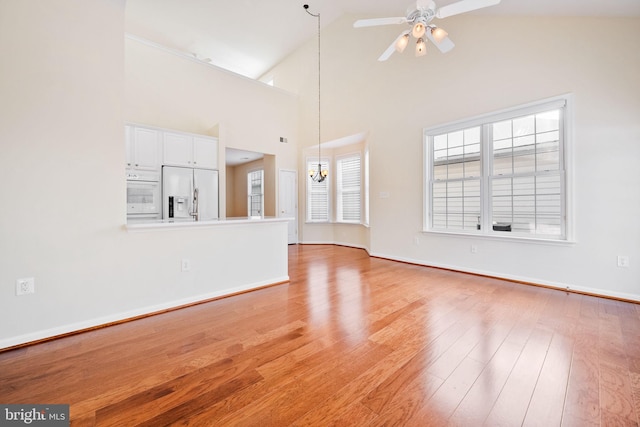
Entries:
{"x":615,"y":385}
{"x":445,"y":400}
{"x":383,"y":371}
{"x":582,"y":402}
{"x":350,"y":340}
{"x":513,"y":401}
{"x":635,"y":393}
{"x":546,"y":406}
{"x":108,"y":393}
{"x":214,"y":380}
{"x":616,"y":395}
{"x":403,"y":406}
{"x":477,"y":403}
{"x":285,"y":404}
{"x":352,"y":415}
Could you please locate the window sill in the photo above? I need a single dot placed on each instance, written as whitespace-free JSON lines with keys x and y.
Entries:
{"x":336,"y":223}
{"x":512,"y":238}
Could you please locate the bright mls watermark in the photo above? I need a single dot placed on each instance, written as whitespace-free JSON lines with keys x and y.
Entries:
{"x":36,"y":415}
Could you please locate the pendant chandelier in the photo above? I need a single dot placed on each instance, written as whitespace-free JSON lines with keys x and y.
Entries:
{"x":317,"y":175}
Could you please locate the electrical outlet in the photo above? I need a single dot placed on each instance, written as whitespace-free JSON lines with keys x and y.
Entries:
{"x":474,"y":249}
{"x":623,"y":261}
{"x":186,"y":265}
{"x":416,"y":240}
{"x":25,"y":286}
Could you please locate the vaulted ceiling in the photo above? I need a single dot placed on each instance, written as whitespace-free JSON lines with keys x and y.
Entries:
{"x":249,"y":37}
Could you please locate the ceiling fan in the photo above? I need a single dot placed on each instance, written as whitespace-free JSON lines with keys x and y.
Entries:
{"x":419,"y":17}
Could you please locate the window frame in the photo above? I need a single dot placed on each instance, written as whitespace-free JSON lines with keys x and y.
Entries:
{"x":251,"y":194}
{"x":485,"y":121}
{"x":340,"y":189}
{"x":365,"y":215}
{"x":312,"y":163}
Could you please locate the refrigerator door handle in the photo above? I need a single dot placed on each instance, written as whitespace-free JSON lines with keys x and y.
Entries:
{"x":195,"y":213}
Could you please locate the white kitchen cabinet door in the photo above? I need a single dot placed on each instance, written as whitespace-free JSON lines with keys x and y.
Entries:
{"x":128,"y":141}
{"x":177,"y":149}
{"x":205,"y":153}
{"x":142,"y":148}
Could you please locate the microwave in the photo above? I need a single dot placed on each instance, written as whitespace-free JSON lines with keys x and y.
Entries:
{"x":143,"y":196}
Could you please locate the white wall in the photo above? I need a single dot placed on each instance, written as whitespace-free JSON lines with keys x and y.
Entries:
{"x":178,"y":92}
{"x":62,"y":113}
{"x":498,"y":62}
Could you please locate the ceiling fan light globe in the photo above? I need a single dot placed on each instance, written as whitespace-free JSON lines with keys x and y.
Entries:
{"x":402,"y":43}
{"x":418,"y":30}
{"x":438,"y":34}
{"x":421,"y":47}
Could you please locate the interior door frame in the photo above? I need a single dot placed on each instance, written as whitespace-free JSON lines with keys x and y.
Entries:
{"x":290,"y":240}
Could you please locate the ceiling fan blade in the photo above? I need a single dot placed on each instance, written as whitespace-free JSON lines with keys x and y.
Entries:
{"x":464,"y":6}
{"x":379,"y":21}
{"x":445,"y":45}
{"x":387,"y":53}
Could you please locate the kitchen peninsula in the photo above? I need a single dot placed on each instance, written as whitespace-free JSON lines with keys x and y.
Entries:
{"x":204,"y":260}
{"x":173,"y":212}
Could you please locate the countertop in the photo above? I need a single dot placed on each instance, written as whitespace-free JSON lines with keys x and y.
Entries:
{"x":169,"y":224}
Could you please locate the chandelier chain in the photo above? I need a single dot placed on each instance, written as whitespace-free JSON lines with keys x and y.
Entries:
{"x":319,"y":174}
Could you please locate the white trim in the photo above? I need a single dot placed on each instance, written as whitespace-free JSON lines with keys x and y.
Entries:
{"x":532,"y":281}
{"x":569,"y":172}
{"x":123,"y":316}
{"x":504,"y":238}
{"x":250,"y":194}
{"x":558,"y":101}
{"x":563,"y":102}
{"x":296,"y":194}
{"x":167,"y":225}
{"x":348,"y":245}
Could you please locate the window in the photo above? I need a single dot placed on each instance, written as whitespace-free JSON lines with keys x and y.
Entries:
{"x":366,"y":186}
{"x":318,"y":194}
{"x":500,"y":174}
{"x":348,"y":193}
{"x":255,"y":192}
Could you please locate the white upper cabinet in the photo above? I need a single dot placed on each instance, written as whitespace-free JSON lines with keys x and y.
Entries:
{"x":178,"y":149}
{"x":143,"y":148}
{"x":149,"y":148}
{"x":190,"y":151}
{"x":205,"y":152}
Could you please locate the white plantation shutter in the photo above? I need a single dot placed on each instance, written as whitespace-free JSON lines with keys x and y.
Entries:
{"x":349,"y":198}
{"x":317,"y":194}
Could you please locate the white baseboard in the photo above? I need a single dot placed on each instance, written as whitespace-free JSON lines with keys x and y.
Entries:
{"x":131,"y":314}
{"x":349,"y":245}
{"x":531,"y":280}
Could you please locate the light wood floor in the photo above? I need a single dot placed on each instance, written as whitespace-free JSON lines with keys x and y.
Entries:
{"x":351,"y":341}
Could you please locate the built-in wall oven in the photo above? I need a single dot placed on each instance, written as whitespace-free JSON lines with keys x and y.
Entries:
{"x":143,"y":196}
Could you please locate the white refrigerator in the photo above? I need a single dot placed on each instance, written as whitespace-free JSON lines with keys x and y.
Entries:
{"x":189,"y":194}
